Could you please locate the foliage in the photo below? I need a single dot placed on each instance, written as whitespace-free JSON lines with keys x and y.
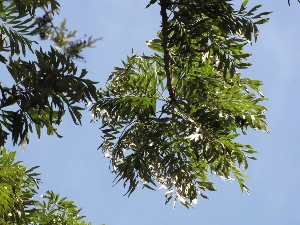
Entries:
{"x":46,"y":87}
{"x":42,"y":90}
{"x":170,"y":119}
{"x":18,"y":188}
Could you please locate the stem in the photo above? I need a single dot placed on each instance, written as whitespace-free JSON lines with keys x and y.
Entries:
{"x":164,"y":16}
{"x":52,"y":25}
{"x":3,"y":91}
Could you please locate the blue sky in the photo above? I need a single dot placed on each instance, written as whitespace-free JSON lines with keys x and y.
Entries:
{"x":73,"y":167}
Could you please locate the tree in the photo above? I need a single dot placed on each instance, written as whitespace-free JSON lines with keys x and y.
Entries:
{"x":171,"y":118}
{"x":168,"y":119}
{"x":45,"y":86}
{"x":18,"y":187}
{"x":42,"y":90}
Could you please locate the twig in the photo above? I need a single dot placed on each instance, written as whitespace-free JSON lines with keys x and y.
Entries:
{"x":3,"y":90}
{"x":50,"y":21}
{"x":167,"y":58}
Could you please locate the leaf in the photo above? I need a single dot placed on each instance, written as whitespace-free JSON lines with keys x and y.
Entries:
{"x":151,"y":3}
{"x":243,"y":6}
{"x":250,"y":12}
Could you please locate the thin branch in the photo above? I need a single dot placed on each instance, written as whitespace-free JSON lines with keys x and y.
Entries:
{"x":167,"y":58}
{"x":50,"y":21}
{"x":3,"y":92}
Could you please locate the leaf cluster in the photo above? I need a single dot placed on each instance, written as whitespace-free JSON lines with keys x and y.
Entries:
{"x":155,"y":141}
{"x":62,"y":37}
{"x":18,"y":189}
{"x":44,"y":88}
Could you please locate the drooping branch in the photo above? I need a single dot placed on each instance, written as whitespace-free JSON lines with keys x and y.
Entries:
{"x":167,"y":57}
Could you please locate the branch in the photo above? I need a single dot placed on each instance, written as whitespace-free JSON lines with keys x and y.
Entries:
{"x":50,"y":21}
{"x":3,"y":91}
{"x":164,"y":24}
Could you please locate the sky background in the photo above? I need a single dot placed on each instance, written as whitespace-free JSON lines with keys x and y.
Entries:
{"x":73,"y":167}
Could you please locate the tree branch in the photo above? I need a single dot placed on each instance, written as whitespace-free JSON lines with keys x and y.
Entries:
{"x":164,"y":24}
{"x":50,"y":21}
{"x":3,"y":91}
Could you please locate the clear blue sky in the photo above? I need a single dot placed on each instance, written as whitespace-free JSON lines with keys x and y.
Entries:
{"x":73,"y":167}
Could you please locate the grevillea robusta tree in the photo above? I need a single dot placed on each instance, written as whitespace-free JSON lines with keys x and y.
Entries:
{"x":170,"y":119}
{"x":37,"y":87}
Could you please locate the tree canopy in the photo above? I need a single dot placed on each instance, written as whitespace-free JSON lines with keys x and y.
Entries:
{"x":168,"y":120}
{"x":19,"y":203}
{"x":42,"y":90}
{"x":44,"y":87}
